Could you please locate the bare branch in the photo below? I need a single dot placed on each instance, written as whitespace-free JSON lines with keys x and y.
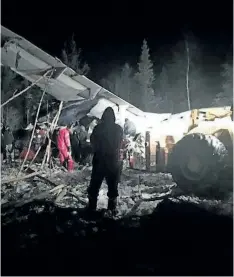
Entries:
{"x":34,"y":127}
{"x":71,"y":56}
{"x":52,"y":128}
{"x":20,"y":178}
{"x":27,"y":88}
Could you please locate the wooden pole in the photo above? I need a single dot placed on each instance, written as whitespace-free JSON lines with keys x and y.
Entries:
{"x":19,"y":178}
{"x":34,"y":127}
{"x":38,"y":150}
{"x":52,"y":128}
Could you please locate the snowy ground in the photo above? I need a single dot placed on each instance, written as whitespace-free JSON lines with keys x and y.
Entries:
{"x":155,"y":225}
{"x":134,"y":189}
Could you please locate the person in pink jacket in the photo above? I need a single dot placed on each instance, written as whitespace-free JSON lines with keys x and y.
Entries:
{"x":64,"y":147}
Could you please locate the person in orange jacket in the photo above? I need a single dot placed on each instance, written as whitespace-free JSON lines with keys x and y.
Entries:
{"x":64,"y":147}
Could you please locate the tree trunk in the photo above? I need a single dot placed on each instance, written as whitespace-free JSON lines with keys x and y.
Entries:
{"x":187,"y":74}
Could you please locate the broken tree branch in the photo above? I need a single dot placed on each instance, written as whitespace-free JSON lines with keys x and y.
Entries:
{"x":41,"y":177}
{"x":154,"y":198}
{"x":34,"y":127}
{"x":82,"y":201}
{"x":17,"y":204}
{"x":52,"y":128}
{"x":19,"y":178}
{"x":33,"y":131}
{"x":61,"y":195}
{"x":38,"y":150}
{"x":26,"y":89}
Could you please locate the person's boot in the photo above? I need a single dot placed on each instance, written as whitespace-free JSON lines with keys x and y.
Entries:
{"x":70,"y":165}
{"x":10,"y":163}
{"x":112,"y":207}
{"x":65,"y":164}
{"x":92,"y":205}
{"x":7,"y":161}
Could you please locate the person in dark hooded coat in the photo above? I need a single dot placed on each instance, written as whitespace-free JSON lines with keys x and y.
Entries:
{"x":106,"y":140}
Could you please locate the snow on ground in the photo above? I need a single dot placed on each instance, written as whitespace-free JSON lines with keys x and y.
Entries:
{"x":158,"y":231}
{"x":139,"y":192}
{"x":131,"y":189}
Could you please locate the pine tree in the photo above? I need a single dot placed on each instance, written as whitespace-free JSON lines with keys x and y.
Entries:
{"x":31,"y":99}
{"x":71,"y":56}
{"x":227,"y":74}
{"x":163,"y":91}
{"x":225,"y":97}
{"x":120,"y":82}
{"x":10,"y":83}
{"x":197,"y":81}
{"x":145,"y":78}
{"x":126,"y":82}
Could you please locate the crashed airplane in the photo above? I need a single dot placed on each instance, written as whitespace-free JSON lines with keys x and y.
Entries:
{"x":82,"y":96}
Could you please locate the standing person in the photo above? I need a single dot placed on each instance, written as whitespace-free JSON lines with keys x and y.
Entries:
{"x":9,"y":141}
{"x":106,"y":141}
{"x":75,"y":146}
{"x":64,"y":147}
{"x":84,"y":144}
{"x":91,"y":127}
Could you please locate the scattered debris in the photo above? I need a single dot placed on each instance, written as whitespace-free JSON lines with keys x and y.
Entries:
{"x":46,"y":212}
{"x":19,"y":178}
{"x":139,"y":193}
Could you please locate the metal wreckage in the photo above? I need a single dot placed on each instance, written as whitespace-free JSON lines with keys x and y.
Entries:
{"x":195,"y":147}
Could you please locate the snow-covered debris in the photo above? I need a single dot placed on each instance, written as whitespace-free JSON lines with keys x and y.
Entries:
{"x":139,"y":192}
{"x":163,"y":221}
{"x":74,"y":194}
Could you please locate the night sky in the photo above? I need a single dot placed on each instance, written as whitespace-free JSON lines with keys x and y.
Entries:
{"x":111,"y":32}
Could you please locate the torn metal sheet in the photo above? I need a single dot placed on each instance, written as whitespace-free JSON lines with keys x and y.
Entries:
{"x":30,"y":61}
